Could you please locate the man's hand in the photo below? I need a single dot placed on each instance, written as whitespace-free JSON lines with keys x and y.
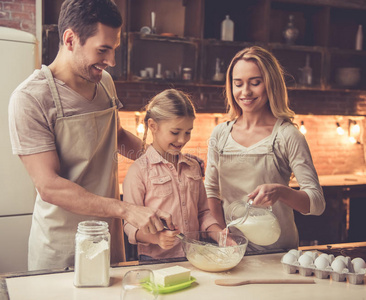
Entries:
{"x":147,"y":219}
{"x":200,"y":161}
{"x":166,"y":239}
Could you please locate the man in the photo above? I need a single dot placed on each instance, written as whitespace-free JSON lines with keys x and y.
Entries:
{"x":64,"y":126}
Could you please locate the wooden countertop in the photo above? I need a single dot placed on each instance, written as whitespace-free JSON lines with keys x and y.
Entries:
{"x":337,"y":180}
{"x":60,"y":285}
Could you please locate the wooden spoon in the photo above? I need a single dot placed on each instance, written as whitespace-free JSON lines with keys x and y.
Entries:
{"x":237,"y":282}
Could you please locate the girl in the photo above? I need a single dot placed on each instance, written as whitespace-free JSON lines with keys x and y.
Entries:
{"x":166,"y":179}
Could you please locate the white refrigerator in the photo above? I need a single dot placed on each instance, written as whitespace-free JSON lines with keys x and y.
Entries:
{"x":18,"y":60}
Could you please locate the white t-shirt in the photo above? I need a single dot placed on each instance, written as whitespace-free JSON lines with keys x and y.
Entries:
{"x":32,"y":111}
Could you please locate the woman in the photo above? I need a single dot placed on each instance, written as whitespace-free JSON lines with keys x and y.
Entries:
{"x":256,"y":152}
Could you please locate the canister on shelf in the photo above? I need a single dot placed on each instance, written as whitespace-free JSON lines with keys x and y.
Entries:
{"x":187,"y":74}
{"x":92,"y":254}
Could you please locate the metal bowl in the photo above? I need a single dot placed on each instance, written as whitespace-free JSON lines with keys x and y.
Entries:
{"x":205,"y":250}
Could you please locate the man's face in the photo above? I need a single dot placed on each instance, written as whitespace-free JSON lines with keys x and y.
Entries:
{"x":98,"y":52}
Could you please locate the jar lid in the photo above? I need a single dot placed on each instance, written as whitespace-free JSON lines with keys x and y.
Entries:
{"x":93,"y":227}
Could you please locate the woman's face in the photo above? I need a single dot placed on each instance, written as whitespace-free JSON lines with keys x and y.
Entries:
{"x":248,"y":87}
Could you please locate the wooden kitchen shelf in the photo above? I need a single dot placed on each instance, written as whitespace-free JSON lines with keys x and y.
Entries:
{"x":188,"y":35}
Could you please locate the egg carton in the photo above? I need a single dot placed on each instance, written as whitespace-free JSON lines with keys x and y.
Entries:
{"x":324,"y":266}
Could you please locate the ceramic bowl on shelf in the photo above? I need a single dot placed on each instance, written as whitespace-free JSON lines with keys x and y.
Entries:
{"x":208,"y":251}
{"x":348,"y":77}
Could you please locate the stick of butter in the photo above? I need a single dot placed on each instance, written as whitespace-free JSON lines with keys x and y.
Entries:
{"x":172,"y":276}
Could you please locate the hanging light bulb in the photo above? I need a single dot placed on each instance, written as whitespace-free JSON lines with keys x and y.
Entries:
{"x":340,"y":130}
{"x":303,"y":128}
{"x":352,"y":140}
{"x":140,"y":128}
{"x":355,"y":130}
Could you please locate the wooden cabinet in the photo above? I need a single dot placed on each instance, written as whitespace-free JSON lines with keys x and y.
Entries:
{"x":187,"y":35}
{"x":327,"y":33}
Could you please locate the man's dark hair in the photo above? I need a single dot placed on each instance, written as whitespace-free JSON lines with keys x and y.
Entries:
{"x":82,"y":16}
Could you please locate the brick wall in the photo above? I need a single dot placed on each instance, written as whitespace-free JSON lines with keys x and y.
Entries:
{"x":332,"y":153}
{"x":19,"y":14}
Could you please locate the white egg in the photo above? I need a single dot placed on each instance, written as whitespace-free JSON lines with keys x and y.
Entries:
{"x":305,"y":260}
{"x":321,"y":262}
{"x":327,"y":257}
{"x":338,"y":265}
{"x":341,"y":257}
{"x":289,"y":258}
{"x":358,"y":264}
{"x":311,"y":254}
{"x":295,"y":252}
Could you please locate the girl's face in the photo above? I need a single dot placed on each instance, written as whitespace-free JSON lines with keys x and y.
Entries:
{"x":169,"y":137}
{"x":249,"y":90}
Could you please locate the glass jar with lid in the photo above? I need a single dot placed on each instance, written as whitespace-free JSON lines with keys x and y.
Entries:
{"x":187,"y":74}
{"x":92,"y":254}
{"x":258,"y":224}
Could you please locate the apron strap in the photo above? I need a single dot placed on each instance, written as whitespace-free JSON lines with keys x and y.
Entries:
{"x":274,"y":134}
{"x":111,"y":98}
{"x":54,"y":92}
{"x":226,"y":134}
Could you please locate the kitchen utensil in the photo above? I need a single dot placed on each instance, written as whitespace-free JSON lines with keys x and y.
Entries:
{"x":145,"y":30}
{"x":204,"y":251}
{"x":237,"y":282}
{"x":258,"y":224}
{"x":210,"y":247}
{"x":348,"y":77}
{"x":153,"y":29}
{"x":181,"y":236}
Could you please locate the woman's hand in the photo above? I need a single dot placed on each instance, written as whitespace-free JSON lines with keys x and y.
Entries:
{"x":266,"y":194}
{"x":166,"y":238}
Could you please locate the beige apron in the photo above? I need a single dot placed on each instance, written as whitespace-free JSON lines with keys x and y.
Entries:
{"x":246,"y":171}
{"x":86,"y":145}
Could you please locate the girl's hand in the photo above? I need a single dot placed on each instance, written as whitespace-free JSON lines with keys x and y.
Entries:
{"x":266,"y":194}
{"x":166,"y":238}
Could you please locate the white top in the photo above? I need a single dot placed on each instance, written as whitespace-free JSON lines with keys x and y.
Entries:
{"x":292,"y":153}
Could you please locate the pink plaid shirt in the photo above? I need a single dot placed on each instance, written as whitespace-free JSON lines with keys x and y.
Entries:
{"x":154,"y":182}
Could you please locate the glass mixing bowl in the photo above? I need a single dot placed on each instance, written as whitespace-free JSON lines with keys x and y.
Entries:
{"x":210,"y":250}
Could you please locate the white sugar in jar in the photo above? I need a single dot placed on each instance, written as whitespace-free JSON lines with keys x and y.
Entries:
{"x":92,"y":254}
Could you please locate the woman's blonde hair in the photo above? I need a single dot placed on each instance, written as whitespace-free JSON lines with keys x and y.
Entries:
{"x":167,"y":105}
{"x":273,"y":77}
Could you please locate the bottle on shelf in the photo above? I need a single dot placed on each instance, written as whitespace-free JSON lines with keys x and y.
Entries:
{"x":290,"y":33}
{"x":218,"y":76}
{"x":306,"y":73}
{"x":227,"y":29}
{"x":359,"y":38}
